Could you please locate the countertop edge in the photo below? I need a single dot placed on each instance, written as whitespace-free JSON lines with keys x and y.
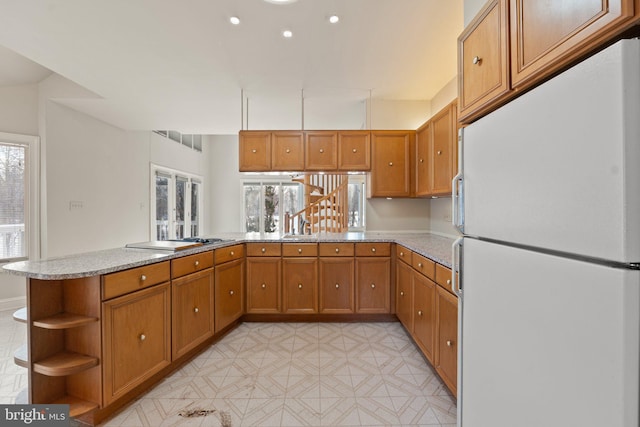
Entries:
{"x":432,"y":246}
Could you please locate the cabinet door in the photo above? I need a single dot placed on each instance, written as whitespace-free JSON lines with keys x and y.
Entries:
{"x":255,"y":151}
{"x":287,"y":151}
{"x":404,"y":295}
{"x":483,"y":59}
{"x":263,"y":285}
{"x":423,"y":143}
{"x":137,"y":339}
{"x":373,"y":285}
{"x":424,"y":314}
{"x":192,"y":308}
{"x":548,"y":35}
{"x":354,"y":150}
{"x":447,"y":338}
{"x":391,"y":163}
{"x":443,"y":151}
{"x":336,"y":285}
{"x":229,"y":282}
{"x":321,"y":150}
{"x":300,"y":287}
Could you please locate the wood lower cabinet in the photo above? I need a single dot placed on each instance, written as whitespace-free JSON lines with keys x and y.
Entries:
{"x":136,"y":334}
{"x":228,"y":296}
{"x":446,"y":358}
{"x":424,"y":314}
{"x":404,"y":295}
{"x":373,"y":285}
{"x":263,"y":284}
{"x":336,"y":285}
{"x":299,"y":285}
{"x":192,"y":309}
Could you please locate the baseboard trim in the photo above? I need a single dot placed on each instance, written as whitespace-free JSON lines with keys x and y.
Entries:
{"x":12,"y":303}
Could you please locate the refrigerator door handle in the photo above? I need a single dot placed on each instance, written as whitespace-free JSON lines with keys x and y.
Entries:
{"x":457,"y":188}
{"x":456,"y":267}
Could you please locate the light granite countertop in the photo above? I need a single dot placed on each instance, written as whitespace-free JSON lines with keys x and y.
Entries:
{"x":434,"y":247}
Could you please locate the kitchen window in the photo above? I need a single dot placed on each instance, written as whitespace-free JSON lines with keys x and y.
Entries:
{"x":266,"y":202}
{"x":19,"y":195}
{"x":176,"y":204}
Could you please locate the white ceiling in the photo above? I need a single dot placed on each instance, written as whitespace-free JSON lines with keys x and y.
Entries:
{"x":180,"y":64}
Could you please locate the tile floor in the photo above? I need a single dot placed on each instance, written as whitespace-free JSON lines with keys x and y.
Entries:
{"x":282,"y":374}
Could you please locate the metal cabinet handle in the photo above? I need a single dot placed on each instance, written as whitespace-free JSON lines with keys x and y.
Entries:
{"x":401,"y":253}
{"x":263,"y":250}
{"x":143,"y":337}
{"x":373,"y":286}
{"x":439,"y":152}
{"x":264,"y":286}
{"x":477,"y":60}
{"x":322,"y":150}
{"x":419,"y":312}
{"x":449,"y":343}
{"x":299,"y":250}
{"x":421,"y":160}
{"x":337,"y":285}
{"x":195,"y":310}
{"x":299,"y":285}
{"x":354,"y":150}
{"x":287,"y":150}
{"x":143,"y":278}
{"x":401,"y":293}
{"x":373,"y":249}
{"x":419,"y":265}
{"x":232,"y":253}
{"x":197,"y":263}
{"x":390,"y":163}
{"x":337,"y":250}
{"x":230,"y":292}
{"x":254,"y":151}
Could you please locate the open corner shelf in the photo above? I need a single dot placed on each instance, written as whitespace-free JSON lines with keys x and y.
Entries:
{"x":64,"y":363}
{"x":77,"y":407}
{"x":20,"y":315}
{"x":20,"y":357}
{"x":64,"y":321}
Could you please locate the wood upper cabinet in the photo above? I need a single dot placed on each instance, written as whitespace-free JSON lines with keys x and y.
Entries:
{"x":228,"y":295}
{"x":391,"y":170}
{"x":446,"y":358}
{"x":548,"y":35}
{"x":287,"y":150}
{"x":192,"y":310}
{"x":255,"y":151}
{"x":424,"y":314}
{"x":483,"y":61}
{"x":437,"y":153}
{"x":137,"y":324}
{"x":354,"y":150}
{"x":321,"y":150}
{"x":443,"y":150}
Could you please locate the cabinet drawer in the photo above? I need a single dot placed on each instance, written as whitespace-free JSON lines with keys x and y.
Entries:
{"x":373,"y":249}
{"x":191,"y":264}
{"x":336,"y":249}
{"x":299,"y":249}
{"x":134,"y":279}
{"x":229,"y":253}
{"x":264,"y":249}
{"x":443,"y":277}
{"x":424,"y":265}
{"x":403,"y":254}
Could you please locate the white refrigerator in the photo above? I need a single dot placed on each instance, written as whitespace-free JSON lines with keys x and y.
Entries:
{"x":548,"y":202}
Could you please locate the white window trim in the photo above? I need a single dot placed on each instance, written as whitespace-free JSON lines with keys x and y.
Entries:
{"x":32,"y":208}
{"x":154,"y":168}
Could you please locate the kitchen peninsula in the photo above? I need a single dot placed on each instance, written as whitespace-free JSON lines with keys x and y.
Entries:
{"x":105,"y":326}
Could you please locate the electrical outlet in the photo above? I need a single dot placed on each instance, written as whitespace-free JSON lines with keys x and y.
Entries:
{"x":75,"y":204}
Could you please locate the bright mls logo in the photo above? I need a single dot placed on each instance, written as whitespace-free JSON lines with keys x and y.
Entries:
{"x":34,"y":415}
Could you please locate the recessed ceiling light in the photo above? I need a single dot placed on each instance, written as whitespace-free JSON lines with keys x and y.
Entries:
{"x":334,"y":19}
{"x":287,"y":34}
{"x":234,"y":20}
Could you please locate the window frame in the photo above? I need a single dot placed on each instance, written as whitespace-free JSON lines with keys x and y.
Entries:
{"x":173,"y":174}
{"x":262,"y":182}
{"x":32,"y":194}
